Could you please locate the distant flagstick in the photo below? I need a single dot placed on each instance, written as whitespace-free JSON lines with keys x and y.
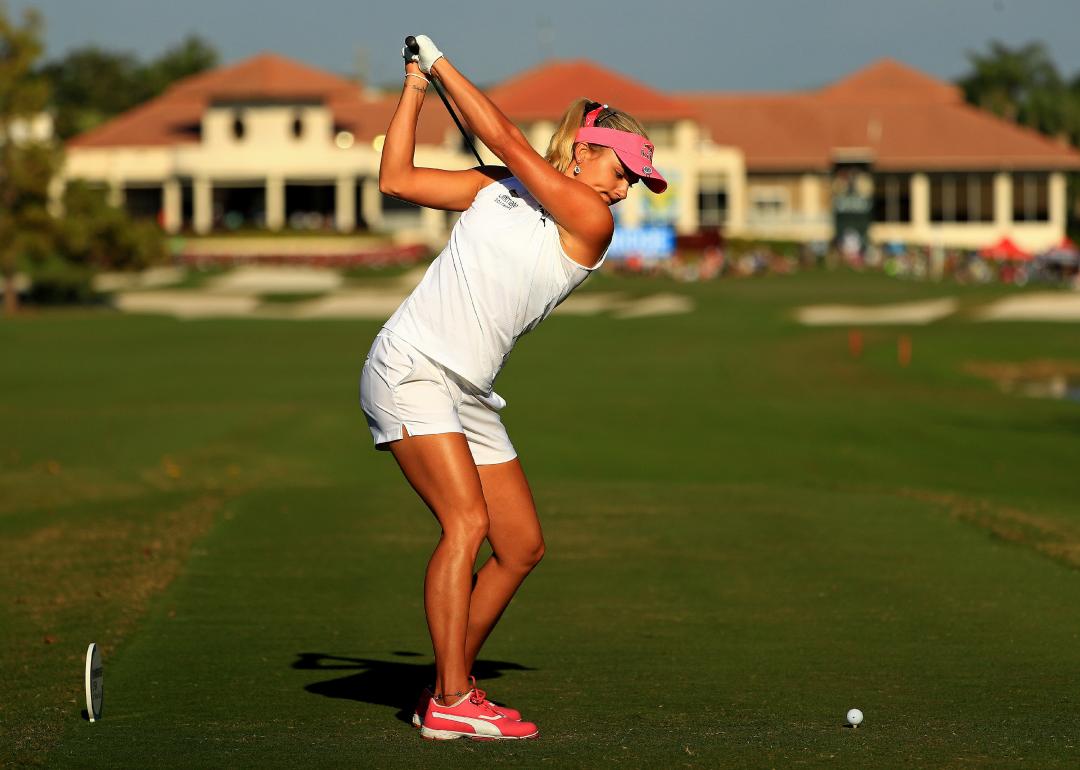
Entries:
{"x":414,"y":47}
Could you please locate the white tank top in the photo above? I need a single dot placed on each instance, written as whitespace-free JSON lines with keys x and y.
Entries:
{"x":502,"y":273}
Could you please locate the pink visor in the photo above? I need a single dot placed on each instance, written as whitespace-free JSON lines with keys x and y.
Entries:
{"x":634,"y":150}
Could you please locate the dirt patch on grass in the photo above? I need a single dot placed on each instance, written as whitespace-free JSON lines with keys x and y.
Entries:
{"x":88,"y":572}
{"x":1025,"y":370}
{"x":1044,"y":378}
{"x":67,"y":585}
{"x":1053,"y":537}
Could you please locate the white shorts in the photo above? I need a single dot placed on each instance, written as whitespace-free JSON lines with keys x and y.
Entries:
{"x":401,"y":387}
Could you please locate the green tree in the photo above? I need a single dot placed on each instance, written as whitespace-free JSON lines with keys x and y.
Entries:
{"x":95,"y":235}
{"x":189,"y":57}
{"x":26,"y":165}
{"x":1013,"y":82}
{"x":1022,"y":84}
{"x":92,"y":84}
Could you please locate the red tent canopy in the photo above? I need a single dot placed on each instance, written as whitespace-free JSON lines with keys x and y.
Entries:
{"x":1066,"y":246}
{"x":1064,"y":253}
{"x":1005,"y":249}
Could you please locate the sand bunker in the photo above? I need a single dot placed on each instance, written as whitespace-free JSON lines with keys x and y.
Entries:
{"x":654,"y":305}
{"x":151,"y":278}
{"x":592,"y":303}
{"x":185,"y":304}
{"x":275,"y":280}
{"x":918,"y":313}
{"x":1040,"y":306}
{"x":624,"y":307}
{"x":377,"y":304}
{"x":371,"y":304}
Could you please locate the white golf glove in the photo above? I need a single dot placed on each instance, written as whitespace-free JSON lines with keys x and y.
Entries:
{"x":429,"y":54}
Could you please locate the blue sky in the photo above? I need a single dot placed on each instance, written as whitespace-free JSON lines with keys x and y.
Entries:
{"x":672,"y":45}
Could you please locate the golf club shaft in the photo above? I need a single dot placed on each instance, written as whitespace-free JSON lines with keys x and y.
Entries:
{"x":414,"y":47}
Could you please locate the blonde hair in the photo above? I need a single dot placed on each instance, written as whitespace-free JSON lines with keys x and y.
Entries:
{"x":560,"y":150}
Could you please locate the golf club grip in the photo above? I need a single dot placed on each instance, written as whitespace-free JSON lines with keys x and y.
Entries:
{"x":414,"y":47}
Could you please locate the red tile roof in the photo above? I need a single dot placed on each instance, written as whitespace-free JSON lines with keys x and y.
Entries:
{"x":903,"y":118}
{"x":544,"y":93}
{"x":265,"y":76}
{"x":174,"y":117}
{"x":887,"y":81}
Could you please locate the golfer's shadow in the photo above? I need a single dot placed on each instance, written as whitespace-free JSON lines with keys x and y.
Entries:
{"x":385,"y":683}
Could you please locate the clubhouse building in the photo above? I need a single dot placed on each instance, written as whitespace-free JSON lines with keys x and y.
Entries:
{"x":888,"y":153}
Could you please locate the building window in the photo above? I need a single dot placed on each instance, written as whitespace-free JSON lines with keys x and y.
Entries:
{"x":712,"y":200}
{"x":769,"y":204}
{"x":238,"y":127}
{"x":298,"y":126}
{"x":144,"y":201}
{"x":399,"y":213}
{"x":892,"y":198}
{"x":1031,"y":198}
{"x":961,"y":198}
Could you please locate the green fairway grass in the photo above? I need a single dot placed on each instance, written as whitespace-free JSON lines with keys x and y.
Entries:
{"x":748,"y":533}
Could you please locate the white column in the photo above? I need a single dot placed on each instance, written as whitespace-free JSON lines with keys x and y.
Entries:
{"x":57,"y":186}
{"x":686,"y":142}
{"x":630,"y":211}
{"x":920,"y":206}
{"x":540,"y":135}
{"x":345,"y":204}
{"x":275,"y":202}
{"x":1003,"y":202}
{"x":115,"y":195}
{"x":371,"y":202}
{"x":809,"y":197}
{"x":736,"y":196}
{"x":203,"y":194}
{"x":171,"y":202}
{"x":434,"y":225}
{"x":1058,"y":204}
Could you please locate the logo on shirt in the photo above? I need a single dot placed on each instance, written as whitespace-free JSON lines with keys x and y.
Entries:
{"x":506,"y":201}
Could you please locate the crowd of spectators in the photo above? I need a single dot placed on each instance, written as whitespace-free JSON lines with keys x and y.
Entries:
{"x":707,"y":258}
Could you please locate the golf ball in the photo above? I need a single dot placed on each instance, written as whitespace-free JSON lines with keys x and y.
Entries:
{"x":854,"y":717}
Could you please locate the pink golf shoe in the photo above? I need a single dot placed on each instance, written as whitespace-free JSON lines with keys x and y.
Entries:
{"x":472,"y":717}
{"x":425,"y":700}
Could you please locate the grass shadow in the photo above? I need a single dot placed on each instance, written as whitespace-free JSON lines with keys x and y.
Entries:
{"x":394,"y":683}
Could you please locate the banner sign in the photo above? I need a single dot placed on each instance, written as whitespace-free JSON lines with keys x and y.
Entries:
{"x":650,"y":242}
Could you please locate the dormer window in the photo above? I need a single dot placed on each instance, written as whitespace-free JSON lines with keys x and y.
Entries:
{"x":238,"y":126}
{"x":298,"y":126}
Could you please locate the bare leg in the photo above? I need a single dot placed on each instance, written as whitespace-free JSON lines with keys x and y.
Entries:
{"x":441,"y":470}
{"x":517,"y":544}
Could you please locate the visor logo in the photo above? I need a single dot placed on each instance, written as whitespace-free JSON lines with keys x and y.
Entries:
{"x":647,"y":151}
{"x":646,"y":170}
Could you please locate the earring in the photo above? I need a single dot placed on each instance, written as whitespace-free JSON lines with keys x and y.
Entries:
{"x":577,"y":170}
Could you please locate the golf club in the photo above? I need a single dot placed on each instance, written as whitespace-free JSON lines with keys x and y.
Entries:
{"x":414,"y":47}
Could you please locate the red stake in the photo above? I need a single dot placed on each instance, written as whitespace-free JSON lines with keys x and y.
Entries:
{"x":903,"y":350}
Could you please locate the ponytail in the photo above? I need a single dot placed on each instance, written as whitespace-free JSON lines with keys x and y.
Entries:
{"x":560,"y":150}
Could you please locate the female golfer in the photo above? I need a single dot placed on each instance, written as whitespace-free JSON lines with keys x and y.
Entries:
{"x":529,"y":234}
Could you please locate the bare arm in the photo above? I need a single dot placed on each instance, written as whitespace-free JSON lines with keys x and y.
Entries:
{"x":579,"y":211}
{"x":431,"y":187}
